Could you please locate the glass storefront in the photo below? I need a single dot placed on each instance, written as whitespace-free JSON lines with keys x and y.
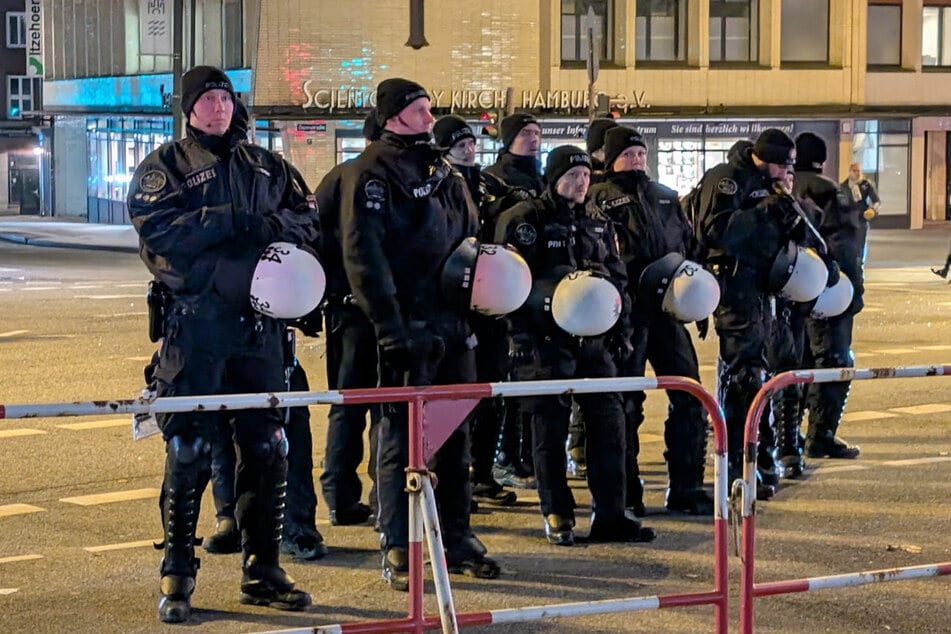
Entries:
{"x":881,"y":147}
{"x":116,"y":147}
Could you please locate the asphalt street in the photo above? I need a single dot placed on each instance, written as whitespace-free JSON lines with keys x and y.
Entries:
{"x":78,"y":498}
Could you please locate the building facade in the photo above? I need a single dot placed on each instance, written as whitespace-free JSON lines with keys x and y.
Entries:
{"x":21,"y":126}
{"x":693,"y":75}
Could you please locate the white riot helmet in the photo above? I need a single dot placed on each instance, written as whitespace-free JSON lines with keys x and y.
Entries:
{"x":288,"y":282}
{"x":798,"y":273}
{"x":491,"y":279}
{"x":834,"y":300}
{"x":585,"y":304}
{"x":680,"y":287}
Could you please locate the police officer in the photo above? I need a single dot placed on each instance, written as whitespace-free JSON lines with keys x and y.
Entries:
{"x":490,"y":195}
{"x":844,"y":229}
{"x":404,"y":209}
{"x":594,"y":142}
{"x":738,"y":241}
{"x":351,"y":362}
{"x":205,"y":207}
{"x":650,"y":224}
{"x":518,"y":167}
{"x":559,"y":233}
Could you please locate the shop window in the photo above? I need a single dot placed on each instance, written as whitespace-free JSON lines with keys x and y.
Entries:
{"x":734,"y":30}
{"x":883,"y":45}
{"x":935,"y":35}
{"x":23,"y":95}
{"x":804,"y":36}
{"x":16,"y":29}
{"x":661,"y":31}
{"x":232,"y":40}
{"x":881,"y":148}
{"x":574,"y":34}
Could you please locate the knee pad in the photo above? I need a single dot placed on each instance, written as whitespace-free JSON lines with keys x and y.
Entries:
{"x":269,"y":449}
{"x":187,"y":451}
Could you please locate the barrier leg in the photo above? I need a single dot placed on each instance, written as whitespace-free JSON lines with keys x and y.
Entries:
{"x":447,"y":611}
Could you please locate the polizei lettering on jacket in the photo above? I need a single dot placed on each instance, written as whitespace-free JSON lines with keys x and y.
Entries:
{"x":197,"y":178}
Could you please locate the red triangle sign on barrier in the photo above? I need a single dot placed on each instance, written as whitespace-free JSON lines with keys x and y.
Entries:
{"x":440,"y":419}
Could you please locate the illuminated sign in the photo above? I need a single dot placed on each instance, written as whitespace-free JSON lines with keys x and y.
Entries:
{"x":330,"y":100}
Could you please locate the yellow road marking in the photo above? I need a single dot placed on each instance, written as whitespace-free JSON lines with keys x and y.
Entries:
{"x":8,"y":510}
{"x":13,"y":433}
{"x":116,"y":496}
{"x":11,"y":560}
{"x":96,"y":424}
{"x":108,"y":547}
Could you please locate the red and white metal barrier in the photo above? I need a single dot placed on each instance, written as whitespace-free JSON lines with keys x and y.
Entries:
{"x":434,"y":413}
{"x":749,"y":590}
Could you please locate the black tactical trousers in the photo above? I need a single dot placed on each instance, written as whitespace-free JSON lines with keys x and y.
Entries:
{"x":351,"y":363}
{"x":492,"y":365}
{"x":830,"y":341}
{"x":786,"y":352}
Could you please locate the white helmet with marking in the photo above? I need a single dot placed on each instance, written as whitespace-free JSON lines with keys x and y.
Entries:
{"x":680,"y":287}
{"x":491,"y":279}
{"x":288,"y":281}
{"x":585,"y":304}
{"x":798,"y":273}
{"x":834,"y":300}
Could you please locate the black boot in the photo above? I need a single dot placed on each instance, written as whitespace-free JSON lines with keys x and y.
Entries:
{"x":786,"y":411}
{"x":226,"y":540}
{"x":187,"y":468}
{"x":827,"y":445}
{"x":268,"y":585}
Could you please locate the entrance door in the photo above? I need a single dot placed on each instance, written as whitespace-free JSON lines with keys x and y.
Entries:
{"x":25,"y":189}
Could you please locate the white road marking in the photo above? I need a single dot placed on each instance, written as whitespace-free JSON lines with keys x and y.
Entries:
{"x":927,"y":408}
{"x":95,"y":424}
{"x":39,"y":288}
{"x":145,"y":359}
{"x":13,"y":333}
{"x":855,"y":417}
{"x":8,"y":590}
{"x":9,"y":510}
{"x":116,"y":496}
{"x":113,"y":315}
{"x":76,"y":287}
{"x":108,"y":296}
{"x":839,"y":469}
{"x":108,"y":547}
{"x":916,"y":461}
{"x":935,"y":347}
{"x":14,"y":433}
{"x":142,"y":285}
{"x":11,"y":560}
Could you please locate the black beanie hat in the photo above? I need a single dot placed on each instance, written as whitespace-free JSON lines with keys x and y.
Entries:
{"x":200,"y":80}
{"x":392,"y":95}
{"x":618,"y":139}
{"x":562,"y":159}
{"x":451,"y":129}
{"x":512,"y":125}
{"x":774,"y":146}
{"x":810,"y":150}
{"x":738,"y":149}
{"x":594,"y":140}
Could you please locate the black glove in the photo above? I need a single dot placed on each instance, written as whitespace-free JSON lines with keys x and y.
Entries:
{"x":311,"y":324}
{"x":833,"y":267}
{"x":395,"y":363}
{"x":254,"y":227}
{"x":703,"y":327}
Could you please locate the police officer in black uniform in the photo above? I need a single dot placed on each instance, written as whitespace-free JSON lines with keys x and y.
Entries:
{"x":830,"y":340}
{"x":455,"y":137}
{"x":205,"y":207}
{"x":738,"y":242}
{"x":650,"y":224}
{"x":556,"y":234}
{"x":594,"y":142}
{"x":404,"y":209}
{"x":351,"y":362}
{"x":518,"y":167}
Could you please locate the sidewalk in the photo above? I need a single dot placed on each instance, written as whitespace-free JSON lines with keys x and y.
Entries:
{"x":888,"y":248}
{"x":43,"y":231}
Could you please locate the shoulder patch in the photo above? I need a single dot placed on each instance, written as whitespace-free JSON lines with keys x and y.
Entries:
{"x":375,"y":190}
{"x":152,"y":181}
{"x":727,"y":186}
{"x":526,"y":234}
